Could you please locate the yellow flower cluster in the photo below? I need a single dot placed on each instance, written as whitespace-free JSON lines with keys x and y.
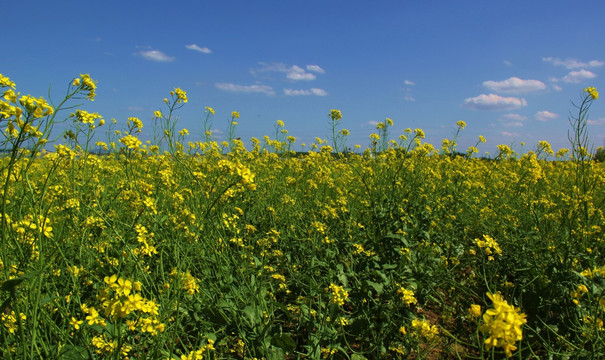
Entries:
{"x":119,"y":299}
{"x":237,"y":168}
{"x":145,"y":238}
{"x":135,"y":123}
{"x":189,"y":283}
{"x":489,"y":245}
{"x":5,"y":81}
{"x":407,"y":296}
{"x":360,"y":250}
{"x":424,"y":329}
{"x":502,"y":325}
{"x":87,"y":118}
{"x":103,"y":345}
{"x":86,"y":83}
{"x":10,"y":321}
{"x":199,"y":354}
{"x":339,"y":295}
{"x":181,"y":95}
{"x":475,"y":311}
{"x":36,"y":106}
{"x":577,"y":294}
{"x":335,"y":115}
{"x":131,"y":142}
{"x":592,"y":91}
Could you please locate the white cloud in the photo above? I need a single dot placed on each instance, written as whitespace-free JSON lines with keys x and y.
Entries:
{"x":514,"y":85}
{"x":312,"y":91}
{"x":194,"y":47}
{"x":156,"y":55}
{"x":573,"y":63}
{"x":556,"y":87}
{"x":513,"y":124}
{"x":297,"y":73}
{"x":506,"y":133}
{"x":315,"y":68}
{"x":578,"y":76}
{"x":409,"y":98}
{"x":512,"y":117}
{"x":408,"y":82}
{"x":293,"y":72}
{"x":545,"y":115}
{"x":246,"y":88}
{"x":600,"y":121}
{"x":507,"y":63}
{"x":494,"y":102}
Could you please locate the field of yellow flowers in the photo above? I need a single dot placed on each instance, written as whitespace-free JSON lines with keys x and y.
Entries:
{"x":204,"y":250}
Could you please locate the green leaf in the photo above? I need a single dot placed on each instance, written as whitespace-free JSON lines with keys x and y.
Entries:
{"x":252,"y":314}
{"x":275,"y":353}
{"x":284,"y":341}
{"x":376,"y":286}
{"x":72,"y":352}
{"x":10,"y":285}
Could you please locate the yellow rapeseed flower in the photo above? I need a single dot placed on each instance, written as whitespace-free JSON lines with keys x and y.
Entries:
{"x":475,"y":310}
{"x":6,"y":82}
{"x":339,"y":295}
{"x":76,"y":323}
{"x":592,"y":91}
{"x":335,"y":115}
{"x":502,"y":325}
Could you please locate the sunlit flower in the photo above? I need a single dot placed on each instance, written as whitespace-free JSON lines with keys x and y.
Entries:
{"x":502,"y":325}
{"x":592,"y":91}
{"x":339,"y":295}
{"x":335,"y":115}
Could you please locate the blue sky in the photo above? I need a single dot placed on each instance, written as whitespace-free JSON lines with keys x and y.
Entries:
{"x":507,"y":68}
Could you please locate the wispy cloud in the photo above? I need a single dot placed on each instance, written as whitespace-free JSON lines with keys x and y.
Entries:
{"x":514,"y":85}
{"x":573,"y":63}
{"x":600,"y":121}
{"x":545,"y":115}
{"x":194,"y":47}
{"x":297,"y":73}
{"x":156,"y":55}
{"x":513,"y":117}
{"x":407,"y":96}
{"x":312,"y":91}
{"x":315,"y":68}
{"x":556,"y":87}
{"x":507,"y":63}
{"x":494,"y":102}
{"x":578,"y":76}
{"x":512,"y":120}
{"x":509,"y":134}
{"x":294,"y":72}
{"x":268,"y":90}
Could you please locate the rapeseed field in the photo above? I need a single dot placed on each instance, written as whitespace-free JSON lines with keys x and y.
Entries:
{"x":171,"y":249}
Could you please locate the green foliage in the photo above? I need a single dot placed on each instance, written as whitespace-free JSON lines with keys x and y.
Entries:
{"x":215,"y":251}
